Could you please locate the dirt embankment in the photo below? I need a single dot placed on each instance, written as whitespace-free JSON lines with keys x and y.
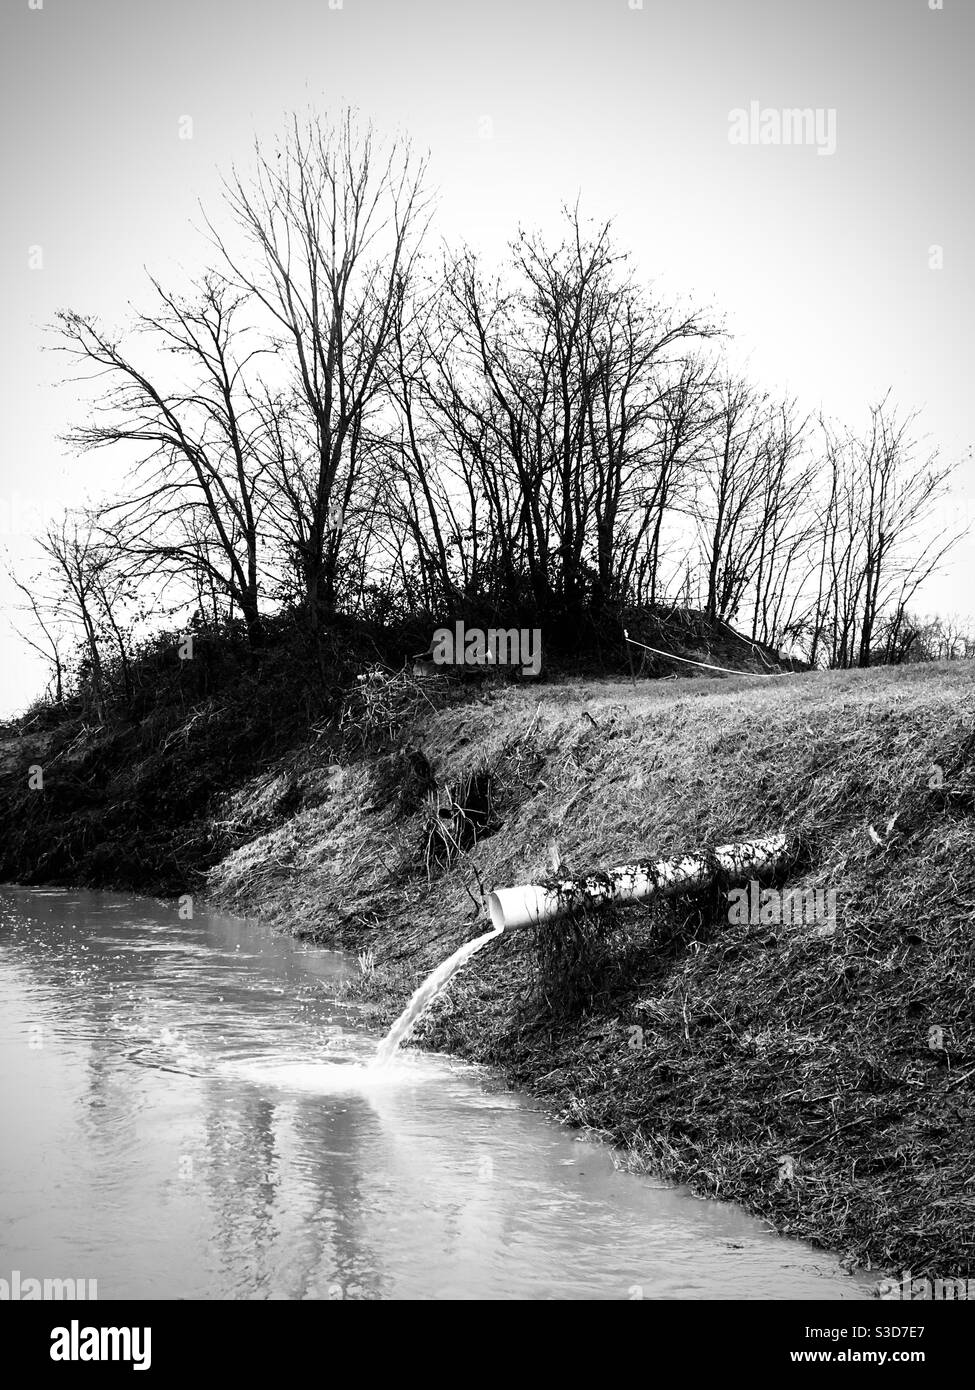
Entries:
{"x":820,"y":1072}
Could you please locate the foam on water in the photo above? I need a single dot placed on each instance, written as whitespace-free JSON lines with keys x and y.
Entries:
{"x":316,"y":1078}
{"x":341,"y":1076}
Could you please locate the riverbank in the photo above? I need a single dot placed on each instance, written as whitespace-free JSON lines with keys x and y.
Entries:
{"x":819,"y":1073}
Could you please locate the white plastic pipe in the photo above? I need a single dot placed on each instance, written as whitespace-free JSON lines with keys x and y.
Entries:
{"x":543,"y":902}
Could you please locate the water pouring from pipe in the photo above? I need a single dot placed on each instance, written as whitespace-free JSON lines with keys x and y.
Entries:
{"x":530,"y":904}
{"x":427,"y":993}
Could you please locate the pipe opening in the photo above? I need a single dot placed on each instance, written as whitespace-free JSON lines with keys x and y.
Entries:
{"x":496,"y":911}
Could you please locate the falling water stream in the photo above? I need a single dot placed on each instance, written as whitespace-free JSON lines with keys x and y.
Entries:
{"x":426,"y":994}
{"x":193,"y":1109}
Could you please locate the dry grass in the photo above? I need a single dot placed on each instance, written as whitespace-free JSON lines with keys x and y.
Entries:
{"x":457,"y":817}
{"x":711,"y":1052}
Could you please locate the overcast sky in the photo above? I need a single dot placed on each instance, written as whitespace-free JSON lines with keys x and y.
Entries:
{"x":821,"y":262}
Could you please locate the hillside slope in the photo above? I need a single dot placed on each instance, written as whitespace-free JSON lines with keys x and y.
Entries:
{"x":821,"y":1073}
{"x":136,"y":799}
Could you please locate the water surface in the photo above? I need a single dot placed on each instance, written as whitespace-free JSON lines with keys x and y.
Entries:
{"x":188,"y":1111}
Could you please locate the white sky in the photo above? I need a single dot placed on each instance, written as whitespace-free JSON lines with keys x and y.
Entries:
{"x":820,"y":264}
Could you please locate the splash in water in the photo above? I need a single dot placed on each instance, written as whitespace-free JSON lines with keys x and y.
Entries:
{"x":427,"y":993}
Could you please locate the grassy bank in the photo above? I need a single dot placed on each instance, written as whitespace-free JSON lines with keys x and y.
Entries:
{"x":821,"y":1074}
{"x":134,"y":799}
{"x":709,"y":1051}
{"x":191,"y":756}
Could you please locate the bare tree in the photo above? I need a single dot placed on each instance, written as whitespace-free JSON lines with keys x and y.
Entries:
{"x":875,"y":553}
{"x":782,"y":561}
{"x":197,"y":498}
{"x":543,"y":424}
{"x":658,"y":490}
{"x":333,"y":224}
{"x":75,"y":560}
{"x":734,"y":480}
{"x":49,"y":641}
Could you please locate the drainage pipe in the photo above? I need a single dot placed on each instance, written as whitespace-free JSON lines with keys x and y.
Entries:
{"x":544,"y":902}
